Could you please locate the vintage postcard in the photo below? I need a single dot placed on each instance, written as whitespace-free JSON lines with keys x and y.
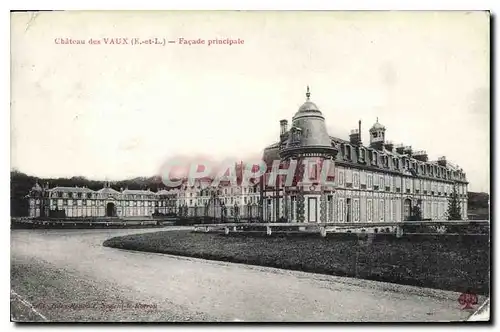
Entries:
{"x":250,"y":166}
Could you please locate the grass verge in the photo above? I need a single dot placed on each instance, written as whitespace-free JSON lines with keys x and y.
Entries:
{"x":449,"y":262}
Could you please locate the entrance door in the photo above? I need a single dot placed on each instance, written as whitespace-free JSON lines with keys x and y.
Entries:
{"x":110,"y":210}
{"x":348,"y":210}
{"x":406,"y":209}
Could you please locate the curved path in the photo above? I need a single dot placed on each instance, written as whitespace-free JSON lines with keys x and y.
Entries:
{"x":67,"y":275}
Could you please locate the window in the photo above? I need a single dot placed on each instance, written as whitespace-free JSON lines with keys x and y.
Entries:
{"x":356,"y":180}
{"x":348,"y":176}
{"x":382,"y":182}
{"x":341,"y":210}
{"x":362,"y":178}
{"x":369,"y":210}
{"x":341,"y":178}
{"x":393,"y":210}
{"x":356,"y":210}
{"x":376,"y":182}
{"x":370,"y":181}
{"x":381,"y":210}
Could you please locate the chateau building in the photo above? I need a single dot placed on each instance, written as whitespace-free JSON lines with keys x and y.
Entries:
{"x":378,"y":182}
{"x":369,"y":183}
{"x":106,"y":202}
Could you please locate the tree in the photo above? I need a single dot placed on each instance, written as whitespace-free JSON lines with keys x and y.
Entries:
{"x":454,"y":212}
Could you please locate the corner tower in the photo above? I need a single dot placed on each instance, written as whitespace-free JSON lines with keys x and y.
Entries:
{"x":308,"y":143}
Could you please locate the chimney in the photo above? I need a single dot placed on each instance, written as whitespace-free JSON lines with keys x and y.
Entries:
{"x":354,"y":137}
{"x":421,"y":156}
{"x":442,"y":161}
{"x":389,"y":146}
{"x":400,"y":149}
{"x":283,"y":126}
{"x":359,"y":129}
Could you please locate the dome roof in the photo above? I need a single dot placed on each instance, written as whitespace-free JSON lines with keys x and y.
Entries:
{"x":377,"y":126}
{"x":308,"y":108}
{"x":308,"y":133}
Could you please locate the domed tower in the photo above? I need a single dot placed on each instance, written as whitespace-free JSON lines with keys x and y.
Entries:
{"x":377,"y":136}
{"x":307,"y":142}
{"x":308,"y":133}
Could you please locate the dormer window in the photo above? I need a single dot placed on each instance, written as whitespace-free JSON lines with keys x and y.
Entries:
{"x":348,"y":151}
{"x":296,"y":134}
{"x":362,"y":154}
{"x":374,"y":158}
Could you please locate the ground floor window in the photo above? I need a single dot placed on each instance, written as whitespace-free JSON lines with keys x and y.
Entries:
{"x":341,"y":210}
{"x":369,"y":210}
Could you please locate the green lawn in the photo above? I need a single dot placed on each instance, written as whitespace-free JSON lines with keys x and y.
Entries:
{"x":456,"y":263}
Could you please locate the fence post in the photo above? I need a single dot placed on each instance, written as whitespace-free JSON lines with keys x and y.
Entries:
{"x":322,"y":231}
{"x":268,"y":230}
{"x":226,"y":230}
{"x":399,"y":231}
